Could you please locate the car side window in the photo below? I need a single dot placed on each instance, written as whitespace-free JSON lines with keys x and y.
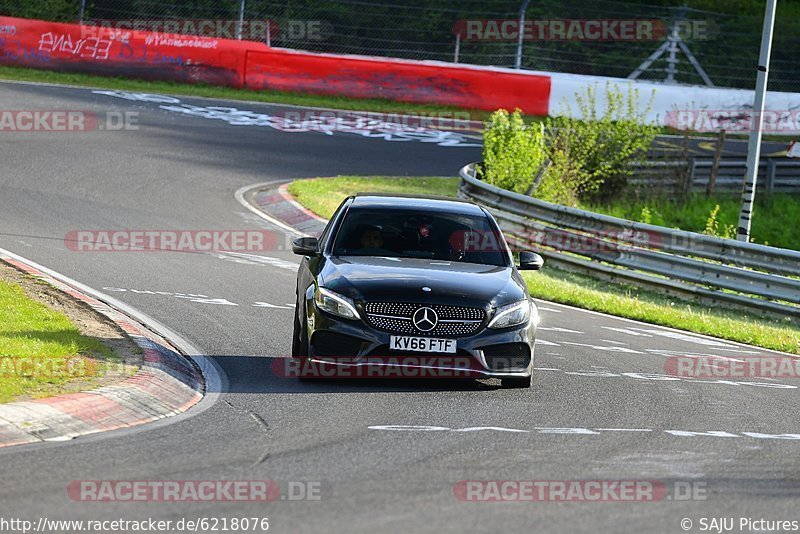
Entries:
{"x":332,"y":223}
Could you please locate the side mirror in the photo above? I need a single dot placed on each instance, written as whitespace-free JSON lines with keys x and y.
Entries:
{"x":305,"y":246}
{"x":530,"y":261}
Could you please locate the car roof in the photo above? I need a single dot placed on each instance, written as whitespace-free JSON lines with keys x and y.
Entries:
{"x":416,"y":203}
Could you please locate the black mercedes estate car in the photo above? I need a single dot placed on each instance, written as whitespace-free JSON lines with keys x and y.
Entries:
{"x":413,"y":287}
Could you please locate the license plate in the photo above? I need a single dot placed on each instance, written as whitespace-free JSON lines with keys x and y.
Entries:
{"x":422,"y":344}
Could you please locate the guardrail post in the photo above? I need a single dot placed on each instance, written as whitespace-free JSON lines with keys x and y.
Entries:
{"x":241,"y":21}
{"x":712,"y":179}
{"x":771,"y":168}
{"x":520,"y":32}
{"x":687,"y":174}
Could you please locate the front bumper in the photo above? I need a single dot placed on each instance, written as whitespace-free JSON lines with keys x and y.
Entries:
{"x":345,"y":347}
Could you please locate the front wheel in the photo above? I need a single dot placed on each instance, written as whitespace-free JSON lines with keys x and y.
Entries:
{"x":517,"y":382}
{"x":299,"y":335}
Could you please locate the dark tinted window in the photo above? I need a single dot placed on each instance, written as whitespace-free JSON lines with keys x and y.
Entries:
{"x":411,"y":234}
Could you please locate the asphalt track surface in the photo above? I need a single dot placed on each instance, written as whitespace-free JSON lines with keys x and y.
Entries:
{"x":600,"y":408}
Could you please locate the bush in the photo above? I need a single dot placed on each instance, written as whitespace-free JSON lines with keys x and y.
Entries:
{"x":589,"y":155}
{"x":513,"y":152}
{"x":606,"y":139}
{"x":566,"y":178}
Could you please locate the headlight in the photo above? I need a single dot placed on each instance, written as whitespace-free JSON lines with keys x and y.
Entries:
{"x":335,"y":304}
{"x":511,"y":314}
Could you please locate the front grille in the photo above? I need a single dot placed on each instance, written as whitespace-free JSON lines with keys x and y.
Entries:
{"x":508,"y":356}
{"x":454,"y":321}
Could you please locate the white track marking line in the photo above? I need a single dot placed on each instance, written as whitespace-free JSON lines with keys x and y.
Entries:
{"x":627,"y":331}
{"x":268,"y":305}
{"x":604,"y":349}
{"x":559,"y":329}
{"x":671,"y":353}
{"x":265,"y":260}
{"x":624,"y":429}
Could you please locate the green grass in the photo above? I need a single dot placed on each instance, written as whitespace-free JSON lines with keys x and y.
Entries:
{"x":773,"y":219}
{"x":230,"y":93}
{"x":41,"y":351}
{"x":323,"y":195}
{"x":635,"y":303}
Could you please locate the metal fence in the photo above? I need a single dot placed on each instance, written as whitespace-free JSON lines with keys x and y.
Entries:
{"x":725,"y":45}
{"x":706,"y":267}
{"x":668,"y":177}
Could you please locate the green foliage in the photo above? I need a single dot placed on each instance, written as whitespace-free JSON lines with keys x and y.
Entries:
{"x":606,"y":138}
{"x":55,"y":10}
{"x":771,"y":217}
{"x":566,"y":178}
{"x":646,"y":217}
{"x":590,"y":156}
{"x":513,"y":152}
{"x":712,"y":226}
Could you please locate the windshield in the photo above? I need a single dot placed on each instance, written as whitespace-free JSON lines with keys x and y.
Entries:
{"x":411,"y":234}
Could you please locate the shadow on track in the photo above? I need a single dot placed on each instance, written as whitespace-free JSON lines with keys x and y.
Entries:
{"x":257,"y":374}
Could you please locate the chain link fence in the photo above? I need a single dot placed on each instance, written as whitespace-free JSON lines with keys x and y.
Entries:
{"x":723,"y":46}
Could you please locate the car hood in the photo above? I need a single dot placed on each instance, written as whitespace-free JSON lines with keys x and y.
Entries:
{"x":402,"y":280}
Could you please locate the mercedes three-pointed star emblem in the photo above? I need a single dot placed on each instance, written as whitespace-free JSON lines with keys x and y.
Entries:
{"x":425,"y":319}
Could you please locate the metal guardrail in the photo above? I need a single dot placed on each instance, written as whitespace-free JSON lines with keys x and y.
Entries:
{"x":756,"y":276}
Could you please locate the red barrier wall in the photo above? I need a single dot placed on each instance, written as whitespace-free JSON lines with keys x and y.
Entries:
{"x":405,"y":81}
{"x":134,"y":54}
{"x":147,"y":55}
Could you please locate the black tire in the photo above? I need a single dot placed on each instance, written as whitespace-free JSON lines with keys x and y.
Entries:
{"x":300,"y":342}
{"x":299,"y":335}
{"x":517,"y":382}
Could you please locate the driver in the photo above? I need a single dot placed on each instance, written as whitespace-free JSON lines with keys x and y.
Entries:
{"x":371,"y":238}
